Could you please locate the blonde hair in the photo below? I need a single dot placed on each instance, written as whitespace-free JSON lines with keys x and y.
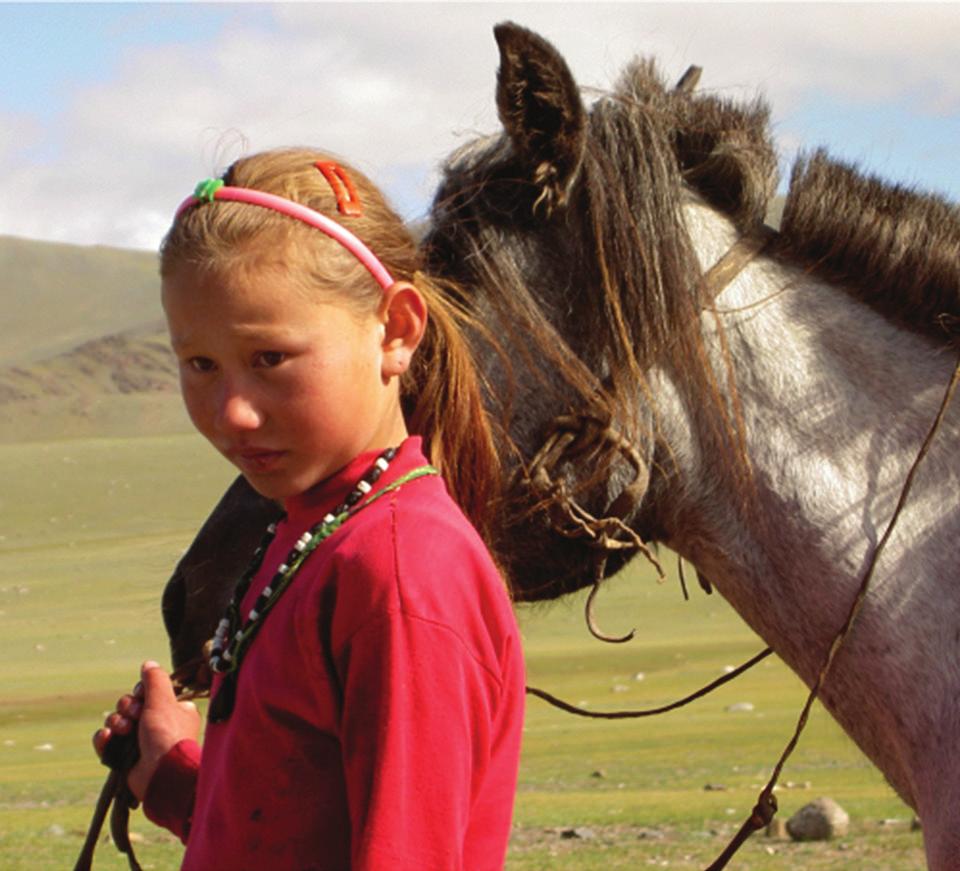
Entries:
{"x":441,"y":393}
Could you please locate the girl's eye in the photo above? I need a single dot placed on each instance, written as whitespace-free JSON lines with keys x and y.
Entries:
{"x":201,"y":364}
{"x":269,"y":359}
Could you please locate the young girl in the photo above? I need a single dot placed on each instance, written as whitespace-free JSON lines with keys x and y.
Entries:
{"x":368,"y":692}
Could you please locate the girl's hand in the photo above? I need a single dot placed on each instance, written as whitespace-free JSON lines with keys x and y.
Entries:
{"x":164,"y":722}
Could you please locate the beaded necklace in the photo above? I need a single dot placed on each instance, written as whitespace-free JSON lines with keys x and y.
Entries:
{"x":226,"y":656}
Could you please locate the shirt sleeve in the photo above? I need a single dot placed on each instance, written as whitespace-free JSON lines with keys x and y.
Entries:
{"x":173,"y":788}
{"x":416,"y":737}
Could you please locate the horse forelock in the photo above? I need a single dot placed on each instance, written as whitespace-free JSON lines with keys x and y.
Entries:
{"x":722,"y":148}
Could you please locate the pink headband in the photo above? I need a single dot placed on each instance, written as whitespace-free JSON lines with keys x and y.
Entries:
{"x":214,"y":189}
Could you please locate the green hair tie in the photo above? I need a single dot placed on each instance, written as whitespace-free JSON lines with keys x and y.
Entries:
{"x":207,"y":189}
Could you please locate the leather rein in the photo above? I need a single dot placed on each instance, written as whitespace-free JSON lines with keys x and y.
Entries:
{"x":116,"y":799}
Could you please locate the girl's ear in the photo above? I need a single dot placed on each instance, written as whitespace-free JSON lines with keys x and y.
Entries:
{"x":403,"y":313}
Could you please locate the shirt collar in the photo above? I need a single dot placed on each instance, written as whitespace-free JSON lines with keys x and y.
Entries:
{"x":329,"y":493}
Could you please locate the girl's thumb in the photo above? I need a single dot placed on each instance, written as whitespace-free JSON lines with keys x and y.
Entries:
{"x":157,"y":687}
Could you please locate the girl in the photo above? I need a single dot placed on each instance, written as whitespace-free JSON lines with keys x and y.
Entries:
{"x":367,"y":701}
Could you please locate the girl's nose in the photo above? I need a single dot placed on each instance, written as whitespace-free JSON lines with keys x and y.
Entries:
{"x":238,"y":412}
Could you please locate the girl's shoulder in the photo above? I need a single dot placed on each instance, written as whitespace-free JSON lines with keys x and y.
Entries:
{"x":412,"y":532}
{"x":415,"y":554}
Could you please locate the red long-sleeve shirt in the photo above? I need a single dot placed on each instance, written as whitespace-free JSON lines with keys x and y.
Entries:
{"x":378,"y":712}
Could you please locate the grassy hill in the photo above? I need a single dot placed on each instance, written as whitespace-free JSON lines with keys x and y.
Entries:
{"x":84,"y":349}
{"x":56,"y":297}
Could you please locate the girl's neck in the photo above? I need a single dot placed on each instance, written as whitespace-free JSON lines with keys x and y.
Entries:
{"x":333,"y":488}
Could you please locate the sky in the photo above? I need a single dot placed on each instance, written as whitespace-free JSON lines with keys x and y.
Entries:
{"x":111,"y":113}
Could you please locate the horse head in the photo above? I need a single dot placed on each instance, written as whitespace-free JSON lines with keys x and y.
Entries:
{"x":565,"y":233}
{"x":502,"y":230}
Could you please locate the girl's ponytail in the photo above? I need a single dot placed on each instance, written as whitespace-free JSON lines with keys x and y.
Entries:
{"x":444,"y":403}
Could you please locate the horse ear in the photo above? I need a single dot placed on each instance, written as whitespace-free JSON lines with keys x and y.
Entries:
{"x":540,"y":107}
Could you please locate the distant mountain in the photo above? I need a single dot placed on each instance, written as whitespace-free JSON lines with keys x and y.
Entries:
{"x":55,"y":297}
{"x":83,"y":348}
{"x":137,"y":361}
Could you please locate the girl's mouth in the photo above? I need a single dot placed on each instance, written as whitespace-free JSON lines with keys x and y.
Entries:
{"x":258,"y":460}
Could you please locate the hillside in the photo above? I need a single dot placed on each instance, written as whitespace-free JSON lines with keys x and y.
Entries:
{"x":120,"y":385}
{"x":83,"y":351}
{"x":57,"y":296}
{"x":137,"y":361}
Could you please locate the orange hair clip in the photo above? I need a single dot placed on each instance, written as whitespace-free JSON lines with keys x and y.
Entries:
{"x":348,"y":203}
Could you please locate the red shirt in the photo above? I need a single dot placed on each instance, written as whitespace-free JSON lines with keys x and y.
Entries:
{"x":378,"y":712}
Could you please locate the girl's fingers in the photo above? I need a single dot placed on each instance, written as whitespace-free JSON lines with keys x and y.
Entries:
{"x":118,"y":724}
{"x":130,"y":707}
{"x":100,"y":739}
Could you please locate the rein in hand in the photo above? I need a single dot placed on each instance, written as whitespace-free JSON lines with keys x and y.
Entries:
{"x":120,"y":755}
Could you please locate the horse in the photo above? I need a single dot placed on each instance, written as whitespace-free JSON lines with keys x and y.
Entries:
{"x":668,"y":370}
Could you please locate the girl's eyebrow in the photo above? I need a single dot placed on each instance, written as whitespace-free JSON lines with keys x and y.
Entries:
{"x":252,"y":332}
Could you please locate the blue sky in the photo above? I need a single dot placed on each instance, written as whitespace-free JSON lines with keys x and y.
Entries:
{"x":51,"y":49}
{"x":109,"y":113}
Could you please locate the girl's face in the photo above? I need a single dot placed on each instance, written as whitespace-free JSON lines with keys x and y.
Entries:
{"x":288,"y":389}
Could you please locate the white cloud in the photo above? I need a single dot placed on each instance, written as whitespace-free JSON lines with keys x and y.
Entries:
{"x":395,"y":87}
{"x":19,"y":134}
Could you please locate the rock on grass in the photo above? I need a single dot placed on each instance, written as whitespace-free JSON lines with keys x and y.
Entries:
{"x":820,"y":820}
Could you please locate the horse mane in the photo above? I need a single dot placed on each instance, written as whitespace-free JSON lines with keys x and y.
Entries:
{"x":722,"y":148}
{"x":891,"y":247}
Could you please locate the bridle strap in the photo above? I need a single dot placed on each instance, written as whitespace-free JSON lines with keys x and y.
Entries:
{"x":738,"y":256}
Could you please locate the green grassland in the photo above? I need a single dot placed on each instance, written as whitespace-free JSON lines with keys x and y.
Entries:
{"x":91,"y":528}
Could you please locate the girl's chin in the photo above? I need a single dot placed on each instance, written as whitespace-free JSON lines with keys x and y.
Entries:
{"x":278,"y":487}
{"x":276,"y":490}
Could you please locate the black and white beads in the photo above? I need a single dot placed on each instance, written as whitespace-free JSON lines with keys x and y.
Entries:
{"x":232,"y":637}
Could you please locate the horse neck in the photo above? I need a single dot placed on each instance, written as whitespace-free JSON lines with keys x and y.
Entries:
{"x":835,"y":404}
